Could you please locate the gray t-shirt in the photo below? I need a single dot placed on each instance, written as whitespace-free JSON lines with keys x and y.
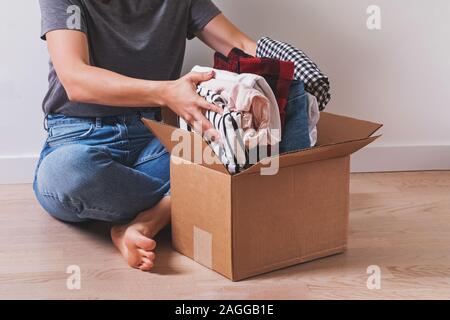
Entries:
{"x":143,"y":39}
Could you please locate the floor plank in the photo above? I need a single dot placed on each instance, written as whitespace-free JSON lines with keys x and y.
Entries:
{"x":399,"y":222}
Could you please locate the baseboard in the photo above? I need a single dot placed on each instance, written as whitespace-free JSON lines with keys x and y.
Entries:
{"x":20,"y":169}
{"x":401,"y":158}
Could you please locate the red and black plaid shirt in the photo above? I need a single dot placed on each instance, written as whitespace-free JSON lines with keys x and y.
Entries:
{"x":278,"y":74}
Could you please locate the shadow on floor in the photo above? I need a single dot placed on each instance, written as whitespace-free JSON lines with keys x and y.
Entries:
{"x":100,"y":232}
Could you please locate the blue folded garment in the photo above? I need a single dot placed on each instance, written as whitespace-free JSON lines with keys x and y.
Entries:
{"x":295,"y":134}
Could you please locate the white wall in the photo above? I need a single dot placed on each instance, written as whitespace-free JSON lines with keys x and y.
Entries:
{"x":23,"y":81}
{"x":398,"y":76}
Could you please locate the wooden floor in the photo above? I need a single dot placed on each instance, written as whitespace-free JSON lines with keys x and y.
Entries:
{"x":399,"y":221}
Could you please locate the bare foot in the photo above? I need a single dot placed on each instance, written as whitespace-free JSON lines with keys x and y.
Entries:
{"x":135,"y":240}
{"x":136,"y":248}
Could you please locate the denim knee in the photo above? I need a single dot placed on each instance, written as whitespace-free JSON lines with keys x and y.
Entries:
{"x":77,"y":183}
{"x":62,"y":180}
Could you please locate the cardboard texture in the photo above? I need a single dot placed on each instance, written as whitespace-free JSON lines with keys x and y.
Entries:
{"x":248,"y":224}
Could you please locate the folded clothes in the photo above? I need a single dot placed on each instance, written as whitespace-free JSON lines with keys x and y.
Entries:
{"x":255,"y":107}
{"x":231,"y":150}
{"x":316,"y":83}
{"x":313,"y":118}
{"x":278,"y":74}
{"x":272,"y":99}
{"x":250,"y":122}
{"x":239,"y":120}
{"x":212,"y":97}
{"x":296,"y":133}
{"x":271,"y":132}
{"x":280,"y":77}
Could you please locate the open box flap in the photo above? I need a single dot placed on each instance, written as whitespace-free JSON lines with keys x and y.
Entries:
{"x":170,"y":137}
{"x":338,"y":136}
{"x":334,"y":128}
{"x":314,"y":154}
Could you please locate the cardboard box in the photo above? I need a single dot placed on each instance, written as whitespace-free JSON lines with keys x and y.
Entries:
{"x":249,"y":224}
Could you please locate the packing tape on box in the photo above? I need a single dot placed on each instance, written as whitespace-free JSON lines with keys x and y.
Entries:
{"x":203,"y":247}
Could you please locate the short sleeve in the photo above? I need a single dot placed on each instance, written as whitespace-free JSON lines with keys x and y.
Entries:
{"x":201,"y":13}
{"x":62,"y":14}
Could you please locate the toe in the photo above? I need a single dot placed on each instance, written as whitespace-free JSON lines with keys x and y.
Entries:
{"x":135,"y":264}
{"x":146,"y":264}
{"x":145,"y":243}
{"x":134,"y":261}
{"x":146,"y":261}
{"x":133,"y":239}
{"x":145,"y":268}
{"x":148,"y":254}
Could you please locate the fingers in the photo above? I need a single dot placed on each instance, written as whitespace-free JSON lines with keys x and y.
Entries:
{"x":201,"y":124}
{"x":209,"y":106}
{"x":196,"y":118}
{"x":200,"y":120}
{"x":198,"y":77}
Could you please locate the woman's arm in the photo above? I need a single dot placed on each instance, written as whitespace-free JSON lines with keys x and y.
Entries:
{"x":222,"y":36}
{"x":69,"y":53}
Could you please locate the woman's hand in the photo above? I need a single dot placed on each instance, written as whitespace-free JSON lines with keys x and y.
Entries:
{"x":182,"y":98}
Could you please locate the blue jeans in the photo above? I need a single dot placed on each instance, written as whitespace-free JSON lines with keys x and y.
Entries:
{"x":108,"y":169}
{"x":295,"y":135}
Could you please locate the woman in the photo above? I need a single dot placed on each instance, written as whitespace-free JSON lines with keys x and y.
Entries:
{"x":112,"y":62}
